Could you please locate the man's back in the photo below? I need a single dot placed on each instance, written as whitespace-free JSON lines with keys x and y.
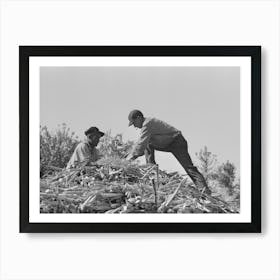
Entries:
{"x":162,"y":134}
{"x":155,"y":132}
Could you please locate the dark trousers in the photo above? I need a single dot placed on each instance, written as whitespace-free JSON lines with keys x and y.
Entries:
{"x":179,"y":148}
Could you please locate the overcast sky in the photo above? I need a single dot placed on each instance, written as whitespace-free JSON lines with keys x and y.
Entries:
{"x":202,"y":102}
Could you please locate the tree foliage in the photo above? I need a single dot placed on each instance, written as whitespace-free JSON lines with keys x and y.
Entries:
{"x":226,"y":176}
{"x":207,"y":163}
{"x":114,"y":146}
{"x":56,"y":147}
{"x":220,"y":177}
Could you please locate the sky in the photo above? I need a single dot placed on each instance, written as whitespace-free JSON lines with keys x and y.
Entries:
{"x":202,"y":102}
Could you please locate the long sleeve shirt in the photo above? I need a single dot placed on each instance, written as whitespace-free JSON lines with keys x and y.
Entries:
{"x":83,"y":153}
{"x":154,"y":132}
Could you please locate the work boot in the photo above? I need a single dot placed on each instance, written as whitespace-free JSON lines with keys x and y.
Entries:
{"x":198,"y":180}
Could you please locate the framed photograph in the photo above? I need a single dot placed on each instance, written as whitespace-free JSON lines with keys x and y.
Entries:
{"x":140,"y":139}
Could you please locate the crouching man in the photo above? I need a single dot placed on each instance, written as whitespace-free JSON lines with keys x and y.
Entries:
{"x":86,"y":152}
{"x":158,"y":135}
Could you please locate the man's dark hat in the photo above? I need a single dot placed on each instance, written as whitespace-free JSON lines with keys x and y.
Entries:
{"x":133,"y":115}
{"x":94,"y":130}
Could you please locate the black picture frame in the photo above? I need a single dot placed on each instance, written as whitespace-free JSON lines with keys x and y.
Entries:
{"x":254,"y":52}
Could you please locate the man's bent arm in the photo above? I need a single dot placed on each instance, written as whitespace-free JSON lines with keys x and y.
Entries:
{"x":142,"y":143}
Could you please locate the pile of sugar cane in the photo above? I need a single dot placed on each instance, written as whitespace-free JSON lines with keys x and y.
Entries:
{"x":114,"y":185}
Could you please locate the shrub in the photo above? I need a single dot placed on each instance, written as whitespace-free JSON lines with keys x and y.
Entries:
{"x":56,"y":148}
{"x":220,"y":177}
{"x":207,"y":163}
{"x":114,"y":146}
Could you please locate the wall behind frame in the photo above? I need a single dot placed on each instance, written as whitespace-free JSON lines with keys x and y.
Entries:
{"x":139,"y":256}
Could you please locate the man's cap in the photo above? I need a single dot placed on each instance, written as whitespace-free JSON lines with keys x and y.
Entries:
{"x":93,"y":130}
{"x":133,"y":115}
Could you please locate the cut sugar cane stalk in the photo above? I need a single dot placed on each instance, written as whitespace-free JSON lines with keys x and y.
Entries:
{"x":129,"y":187}
{"x":171,"y":197}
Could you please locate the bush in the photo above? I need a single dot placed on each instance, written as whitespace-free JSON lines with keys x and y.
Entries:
{"x":220,"y":177}
{"x":114,"y":146}
{"x":56,"y":148}
{"x":226,"y":176}
{"x":207,"y":163}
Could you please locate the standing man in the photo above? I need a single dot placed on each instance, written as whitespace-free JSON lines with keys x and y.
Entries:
{"x":158,"y":135}
{"x":86,"y":151}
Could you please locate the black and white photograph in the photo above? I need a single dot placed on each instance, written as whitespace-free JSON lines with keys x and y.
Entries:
{"x":143,"y":139}
{"x":188,"y":124}
{"x":139,"y":140}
